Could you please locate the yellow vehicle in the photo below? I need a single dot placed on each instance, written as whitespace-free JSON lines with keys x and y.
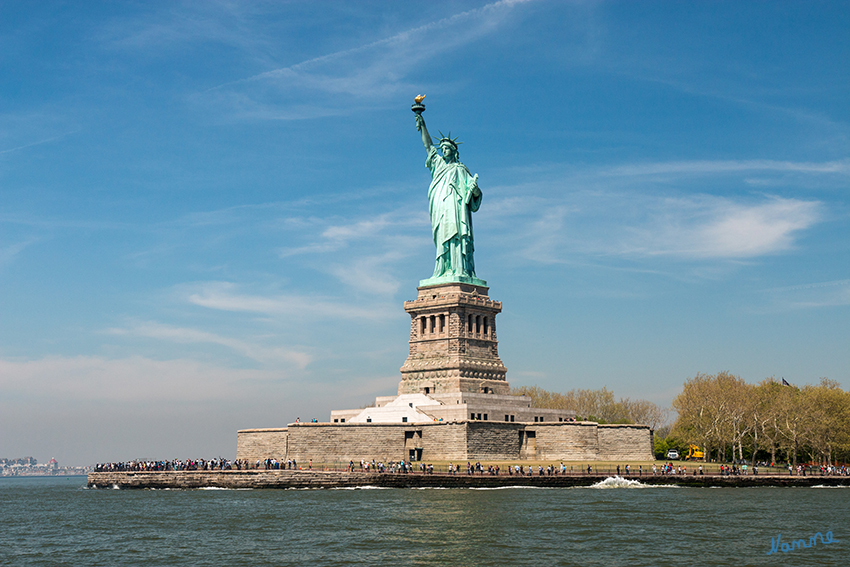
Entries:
{"x":695,"y":454}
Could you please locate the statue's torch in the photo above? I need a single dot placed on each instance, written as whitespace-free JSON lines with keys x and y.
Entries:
{"x":417,"y":105}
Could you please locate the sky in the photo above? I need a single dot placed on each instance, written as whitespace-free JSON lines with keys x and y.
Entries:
{"x":212,"y":212}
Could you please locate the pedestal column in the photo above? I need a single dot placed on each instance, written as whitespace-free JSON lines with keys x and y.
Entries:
{"x":453,"y":342}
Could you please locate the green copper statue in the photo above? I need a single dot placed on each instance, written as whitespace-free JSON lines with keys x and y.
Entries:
{"x":452,"y":198}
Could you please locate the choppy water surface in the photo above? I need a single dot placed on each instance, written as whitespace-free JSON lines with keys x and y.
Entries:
{"x":55,"y":521}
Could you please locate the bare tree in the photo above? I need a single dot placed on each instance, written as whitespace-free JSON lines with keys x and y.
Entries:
{"x":599,"y":405}
{"x":826,"y":428}
{"x":701,"y":413}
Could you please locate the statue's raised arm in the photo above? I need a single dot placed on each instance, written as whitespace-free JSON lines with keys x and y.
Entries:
{"x":453,"y":196}
{"x":418,"y":108}
{"x":426,"y":137}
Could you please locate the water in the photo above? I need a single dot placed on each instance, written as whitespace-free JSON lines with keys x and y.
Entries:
{"x":56,"y":521}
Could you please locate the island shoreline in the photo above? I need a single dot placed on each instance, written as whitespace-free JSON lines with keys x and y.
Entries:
{"x":317,"y":479}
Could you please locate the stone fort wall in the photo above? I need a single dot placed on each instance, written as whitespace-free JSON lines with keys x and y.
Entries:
{"x":578,"y":441}
{"x":261,"y":444}
{"x":454,"y":441}
{"x":625,"y":442}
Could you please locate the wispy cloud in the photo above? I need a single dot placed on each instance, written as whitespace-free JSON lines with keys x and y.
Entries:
{"x":26,"y":129}
{"x":334,"y":236}
{"x":372,"y":72}
{"x":224,"y":296}
{"x":363,"y":254}
{"x":51,"y":223}
{"x":235,"y":24}
{"x":229,"y":215}
{"x":710,"y":227}
{"x":698,"y":167}
{"x":136,"y":380}
{"x":812,"y":295}
{"x":36,"y":143}
{"x":183,"y":335}
{"x":370,"y":273}
{"x":9,"y":252}
{"x":635,"y":225}
{"x":652,"y":210}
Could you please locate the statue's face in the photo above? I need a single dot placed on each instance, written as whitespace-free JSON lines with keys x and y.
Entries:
{"x":448,"y":151}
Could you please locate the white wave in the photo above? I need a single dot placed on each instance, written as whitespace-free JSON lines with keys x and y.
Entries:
{"x":825,"y":486}
{"x":618,"y":482}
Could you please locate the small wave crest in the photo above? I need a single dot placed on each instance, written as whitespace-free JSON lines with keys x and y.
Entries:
{"x":618,"y":482}
{"x":825,"y":486}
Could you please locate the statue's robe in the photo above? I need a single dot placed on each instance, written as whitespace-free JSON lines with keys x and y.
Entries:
{"x":452,"y":198}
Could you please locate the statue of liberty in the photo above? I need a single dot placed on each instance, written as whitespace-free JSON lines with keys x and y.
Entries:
{"x":452,"y":198}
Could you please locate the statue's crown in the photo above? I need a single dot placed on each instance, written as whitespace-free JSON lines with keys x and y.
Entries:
{"x":449,"y":139}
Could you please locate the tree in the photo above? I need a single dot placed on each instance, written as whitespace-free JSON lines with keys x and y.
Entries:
{"x":738,"y":397}
{"x":597,"y":405}
{"x":826,"y":429}
{"x":702,"y":413}
{"x":793,"y":410}
{"x":648,"y":413}
{"x":765,"y":417}
{"x":722,"y":410}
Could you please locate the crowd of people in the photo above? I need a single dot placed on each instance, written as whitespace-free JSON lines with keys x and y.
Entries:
{"x":390,"y":466}
{"x":219,"y":464}
{"x":173,"y":465}
{"x":274,"y":464}
{"x":823,"y":470}
{"x":458,"y":468}
{"x":669,"y":468}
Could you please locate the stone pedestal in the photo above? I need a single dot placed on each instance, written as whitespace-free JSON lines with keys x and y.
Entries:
{"x":453,"y":345}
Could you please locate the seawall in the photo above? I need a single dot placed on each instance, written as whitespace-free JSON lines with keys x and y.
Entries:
{"x":299,"y":479}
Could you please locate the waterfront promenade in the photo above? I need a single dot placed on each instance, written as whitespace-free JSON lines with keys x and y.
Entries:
{"x":303,"y":479}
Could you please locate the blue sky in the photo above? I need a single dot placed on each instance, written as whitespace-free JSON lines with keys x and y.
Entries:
{"x":211,"y":212}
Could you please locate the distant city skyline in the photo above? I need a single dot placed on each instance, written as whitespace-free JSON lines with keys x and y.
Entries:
{"x":211,"y":213}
